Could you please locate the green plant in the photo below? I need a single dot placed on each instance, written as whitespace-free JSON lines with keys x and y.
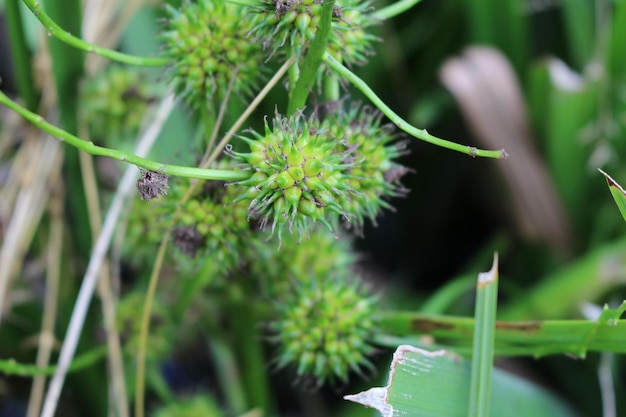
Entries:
{"x":240,"y":260}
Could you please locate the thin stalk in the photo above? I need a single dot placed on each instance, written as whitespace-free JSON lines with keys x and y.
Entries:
{"x":140,"y":378}
{"x":116,"y":365}
{"x":53,"y":274}
{"x":20,"y":55}
{"x":421,"y":134}
{"x":394,"y":9}
{"x":95,"y":262}
{"x":90,"y":148}
{"x":58,"y":32}
{"x":257,"y":100}
{"x":312,"y":60}
{"x":484,"y":337}
{"x":220,"y":117}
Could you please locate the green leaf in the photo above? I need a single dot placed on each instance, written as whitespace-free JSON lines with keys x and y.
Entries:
{"x":484,"y":336}
{"x":532,"y":338}
{"x":618,"y":193}
{"x":433,"y":384}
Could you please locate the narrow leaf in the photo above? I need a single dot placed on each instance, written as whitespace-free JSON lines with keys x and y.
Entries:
{"x":433,"y":384}
{"x":618,"y":193}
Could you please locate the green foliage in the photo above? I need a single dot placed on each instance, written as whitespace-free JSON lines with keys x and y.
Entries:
{"x":233,"y":314}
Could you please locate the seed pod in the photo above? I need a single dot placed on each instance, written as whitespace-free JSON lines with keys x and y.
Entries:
{"x":323,"y":328}
{"x":208,"y":44}
{"x":372,"y":168}
{"x":303,"y":172}
{"x":294,"y":23}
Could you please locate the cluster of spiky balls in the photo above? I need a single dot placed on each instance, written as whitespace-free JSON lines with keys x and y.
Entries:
{"x":306,"y":175}
{"x":216,"y":47}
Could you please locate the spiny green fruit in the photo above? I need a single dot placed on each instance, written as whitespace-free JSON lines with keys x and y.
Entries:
{"x":297,"y":21}
{"x":317,"y":255}
{"x":210,"y":227}
{"x":324,"y":327}
{"x":114,"y":102}
{"x":199,"y":405}
{"x":162,"y":327}
{"x":299,"y":174}
{"x":209,"y":46}
{"x":215,"y":227}
{"x":373,"y":171}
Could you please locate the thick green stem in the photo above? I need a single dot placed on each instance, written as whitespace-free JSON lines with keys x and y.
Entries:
{"x":421,"y":134}
{"x":312,"y":61}
{"x":89,"y":147}
{"x":58,"y":32}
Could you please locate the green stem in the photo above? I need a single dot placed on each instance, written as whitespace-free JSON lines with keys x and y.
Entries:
{"x":394,"y":9}
{"x":64,"y":36}
{"x":90,"y":148}
{"x":312,"y":60}
{"x":253,"y":3}
{"x":21,"y":55}
{"x":89,"y":358}
{"x":421,"y":134}
{"x":512,"y":338}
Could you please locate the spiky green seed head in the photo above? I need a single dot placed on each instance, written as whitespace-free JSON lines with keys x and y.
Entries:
{"x":208,"y":44}
{"x":317,"y":255}
{"x":199,"y":405}
{"x":215,"y":229}
{"x":162,"y":327}
{"x":114,"y":102}
{"x":295,"y":23}
{"x":373,"y":168}
{"x":324,"y":328}
{"x":299,"y":175}
{"x":210,"y":228}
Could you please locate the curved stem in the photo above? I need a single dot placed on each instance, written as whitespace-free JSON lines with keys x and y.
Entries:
{"x":89,"y":147}
{"x":421,"y":134}
{"x":64,"y":36}
{"x":394,"y":9}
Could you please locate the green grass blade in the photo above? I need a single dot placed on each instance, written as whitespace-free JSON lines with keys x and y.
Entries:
{"x":617,"y":192}
{"x":436,"y":384}
{"x":484,"y":336}
{"x":21,"y":55}
{"x":11,"y":367}
{"x":531,"y":338}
